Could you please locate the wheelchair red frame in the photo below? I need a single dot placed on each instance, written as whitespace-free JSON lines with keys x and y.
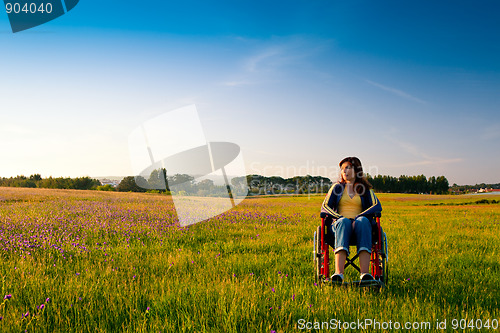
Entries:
{"x":378,"y":261}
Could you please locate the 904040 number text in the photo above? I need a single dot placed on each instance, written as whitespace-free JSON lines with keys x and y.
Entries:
{"x":31,"y":8}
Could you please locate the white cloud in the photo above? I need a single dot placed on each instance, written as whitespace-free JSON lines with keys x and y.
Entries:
{"x":285,"y":51}
{"x":255,"y":62}
{"x":271,"y":60}
{"x":431,"y":161}
{"x":424,"y":158}
{"x":397,"y":92}
{"x":236,"y":83}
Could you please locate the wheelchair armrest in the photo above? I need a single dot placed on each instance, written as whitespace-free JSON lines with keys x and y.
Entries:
{"x":323,"y":215}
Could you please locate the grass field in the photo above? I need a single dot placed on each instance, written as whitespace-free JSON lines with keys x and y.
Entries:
{"x":119,"y":262}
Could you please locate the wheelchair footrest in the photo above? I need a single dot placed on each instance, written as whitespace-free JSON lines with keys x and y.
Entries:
{"x":371,"y":283}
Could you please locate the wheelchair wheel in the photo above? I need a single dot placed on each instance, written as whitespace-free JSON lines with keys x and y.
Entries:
{"x":385,"y":260}
{"x":318,"y":256}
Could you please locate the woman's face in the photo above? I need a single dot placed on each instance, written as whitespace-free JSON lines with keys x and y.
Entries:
{"x":347,"y":171}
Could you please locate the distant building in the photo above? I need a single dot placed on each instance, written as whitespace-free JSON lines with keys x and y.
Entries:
{"x":113,"y":183}
{"x":487,"y":190}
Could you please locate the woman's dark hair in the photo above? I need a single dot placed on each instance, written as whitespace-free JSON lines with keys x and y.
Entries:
{"x":361,"y":184}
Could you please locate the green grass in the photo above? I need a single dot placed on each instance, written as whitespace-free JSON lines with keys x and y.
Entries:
{"x":249,"y":270}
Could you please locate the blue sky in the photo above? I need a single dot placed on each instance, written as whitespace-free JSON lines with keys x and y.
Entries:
{"x":410,"y":88}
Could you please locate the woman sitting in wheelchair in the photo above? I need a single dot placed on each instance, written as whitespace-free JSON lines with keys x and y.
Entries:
{"x":350,"y":205}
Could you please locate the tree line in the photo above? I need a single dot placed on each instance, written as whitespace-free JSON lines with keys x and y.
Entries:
{"x":160,"y":182}
{"x":381,"y":183}
{"x":409,"y":184}
{"x":261,"y":185}
{"x":181,"y":184}
{"x":245,"y":185}
{"x":34,"y":181}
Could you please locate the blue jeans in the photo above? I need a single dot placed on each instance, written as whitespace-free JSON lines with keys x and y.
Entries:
{"x":361,"y":234}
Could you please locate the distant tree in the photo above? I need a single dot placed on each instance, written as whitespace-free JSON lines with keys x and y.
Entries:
{"x":409,"y":184}
{"x":36,"y":177}
{"x":129,"y":184}
{"x":254,"y":181}
{"x":182,"y":182}
{"x":59,"y":183}
{"x":421,"y":184}
{"x":205,"y":187}
{"x":206,"y":184}
{"x":180,"y":179}
{"x":83,"y":183}
{"x":106,"y":187}
{"x":142,"y":183}
{"x":239,"y":186}
{"x":275,"y":180}
{"x":23,"y":182}
{"x":164,"y":175}
{"x":158,"y":180}
{"x":239,"y":181}
{"x":442,"y":185}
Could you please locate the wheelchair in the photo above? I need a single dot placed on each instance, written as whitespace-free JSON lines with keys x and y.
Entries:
{"x":378,"y":261}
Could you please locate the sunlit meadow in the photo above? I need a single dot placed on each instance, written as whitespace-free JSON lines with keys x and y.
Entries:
{"x":88,"y":261}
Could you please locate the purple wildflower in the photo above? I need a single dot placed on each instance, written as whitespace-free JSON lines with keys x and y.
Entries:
{"x":41,"y":306}
{"x":293,"y":297}
{"x":9,"y":296}
{"x":47,"y":300}
{"x":272,"y":290}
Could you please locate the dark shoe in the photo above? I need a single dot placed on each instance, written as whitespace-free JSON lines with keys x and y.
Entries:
{"x":337,"y":278}
{"x":366,"y":277}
